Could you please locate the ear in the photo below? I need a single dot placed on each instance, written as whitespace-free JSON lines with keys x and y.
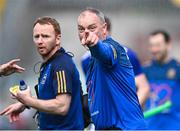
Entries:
{"x":169,"y":46}
{"x":58,"y":39}
{"x":104,"y":28}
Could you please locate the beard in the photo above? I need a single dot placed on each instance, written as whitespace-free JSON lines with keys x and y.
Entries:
{"x":162,"y":57}
{"x":46,"y":52}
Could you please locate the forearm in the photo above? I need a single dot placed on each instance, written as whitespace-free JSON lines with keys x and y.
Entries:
{"x":52,"y":106}
{"x":143,"y":88}
{"x":103,"y":52}
{"x":142,"y":96}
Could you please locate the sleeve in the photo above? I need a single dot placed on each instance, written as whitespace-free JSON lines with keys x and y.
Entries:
{"x":104,"y":52}
{"x":178,"y":71}
{"x":85,"y":62}
{"x":62,"y":81}
{"x":137,"y":68}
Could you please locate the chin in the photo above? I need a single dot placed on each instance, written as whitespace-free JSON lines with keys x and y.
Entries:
{"x":42,"y":53}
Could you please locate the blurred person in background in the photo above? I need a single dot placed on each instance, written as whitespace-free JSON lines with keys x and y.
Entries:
{"x":163,"y":74}
{"x":59,"y":100}
{"x":10,"y":68}
{"x":112,"y":98}
{"x":140,"y":78}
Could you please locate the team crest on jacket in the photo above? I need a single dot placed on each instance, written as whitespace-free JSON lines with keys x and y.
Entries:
{"x":44,"y":79}
{"x":171,"y":73}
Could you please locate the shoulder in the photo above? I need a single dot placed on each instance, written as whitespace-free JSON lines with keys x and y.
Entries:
{"x":175,"y":62}
{"x":63,"y":61}
{"x":115,"y":45}
{"x":130,"y":52}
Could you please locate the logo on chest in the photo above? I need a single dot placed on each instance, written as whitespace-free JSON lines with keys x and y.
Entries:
{"x":45,"y":74}
{"x":171,"y":73}
{"x":44,"y":79}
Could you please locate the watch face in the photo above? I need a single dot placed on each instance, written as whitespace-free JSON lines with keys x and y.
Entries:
{"x":14,"y":89}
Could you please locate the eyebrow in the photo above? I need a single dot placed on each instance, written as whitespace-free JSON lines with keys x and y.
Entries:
{"x":92,"y":25}
{"x":88,"y":26}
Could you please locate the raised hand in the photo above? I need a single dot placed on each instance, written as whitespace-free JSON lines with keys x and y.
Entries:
{"x":11,"y":67}
{"x":13,"y":111}
{"x":89,"y":39}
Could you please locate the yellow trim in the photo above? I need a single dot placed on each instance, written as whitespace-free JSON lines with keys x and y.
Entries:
{"x":64,"y":78}
{"x":58,"y":82}
{"x":60,"y":74}
{"x":114,"y":52}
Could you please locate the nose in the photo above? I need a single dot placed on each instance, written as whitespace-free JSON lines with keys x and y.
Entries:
{"x":154,"y":49}
{"x":86,"y":32}
{"x":39,"y":40}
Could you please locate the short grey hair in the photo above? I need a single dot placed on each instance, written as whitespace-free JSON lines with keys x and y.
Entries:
{"x":95,"y":11}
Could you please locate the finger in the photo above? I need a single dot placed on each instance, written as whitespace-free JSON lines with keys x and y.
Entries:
{"x":10,"y":118}
{"x":94,"y":39}
{"x":14,"y":61}
{"x":4,"y":111}
{"x":14,"y":96}
{"x":19,"y":97}
{"x":89,"y":38}
{"x":9,"y":111}
{"x":18,"y":68}
{"x":83,"y":41}
{"x":13,"y":118}
{"x":18,"y":117}
{"x":86,"y":35}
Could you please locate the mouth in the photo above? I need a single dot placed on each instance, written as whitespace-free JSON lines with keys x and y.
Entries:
{"x":41,"y":49}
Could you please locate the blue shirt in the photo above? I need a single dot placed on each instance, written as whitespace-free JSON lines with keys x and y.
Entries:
{"x":137,"y":68}
{"x":164,"y":81}
{"x":111,"y":88}
{"x":60,"y":76}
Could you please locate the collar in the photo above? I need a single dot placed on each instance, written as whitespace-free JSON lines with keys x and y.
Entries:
{"x":58,"y":52}
{"x":162,"y":64}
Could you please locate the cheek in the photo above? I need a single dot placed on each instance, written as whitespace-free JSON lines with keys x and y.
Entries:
{"x":35,"y":43}
{"x":80,"y":36}
{"x":164,"y":50}
{"x":49,"y":43}
{"x":100,"y":32}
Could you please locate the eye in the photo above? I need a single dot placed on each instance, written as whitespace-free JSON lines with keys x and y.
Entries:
{"x":45,"y":36}
{"x":92,"y":28}
{"x":36,"y":36}
{"x":81,"y":29}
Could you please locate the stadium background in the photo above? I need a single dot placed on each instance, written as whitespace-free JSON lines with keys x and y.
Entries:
{"x":132,"y":21}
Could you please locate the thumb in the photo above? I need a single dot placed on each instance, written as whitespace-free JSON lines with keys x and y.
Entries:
{"x":83,"y":41}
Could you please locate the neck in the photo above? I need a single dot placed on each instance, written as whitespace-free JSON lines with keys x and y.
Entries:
{"x":47,"y":57}
{"x":165,"y":60}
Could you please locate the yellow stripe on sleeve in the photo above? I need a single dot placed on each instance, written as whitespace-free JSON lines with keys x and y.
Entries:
{"x":60,"y":74}
{"x":114,"y":52}
{"x":64,"y":80}
{"x":58,"y":82}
